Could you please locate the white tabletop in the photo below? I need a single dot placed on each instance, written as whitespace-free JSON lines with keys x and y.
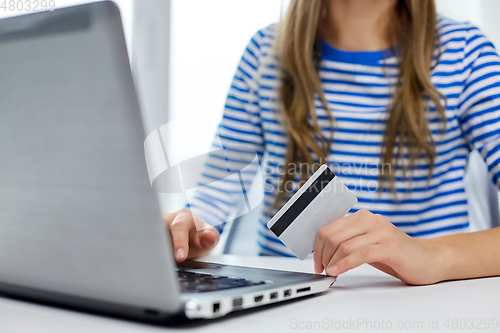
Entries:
{"x":363,"y":300}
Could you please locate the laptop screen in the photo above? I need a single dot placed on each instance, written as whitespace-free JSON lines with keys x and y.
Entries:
{"x":77,"y":212}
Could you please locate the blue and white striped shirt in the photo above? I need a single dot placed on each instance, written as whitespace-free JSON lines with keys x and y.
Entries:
{"x":358,"y":87}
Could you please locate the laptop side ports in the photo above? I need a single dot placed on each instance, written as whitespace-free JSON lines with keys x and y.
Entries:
{"x":301,"y":290}
{"x":237,"y":302}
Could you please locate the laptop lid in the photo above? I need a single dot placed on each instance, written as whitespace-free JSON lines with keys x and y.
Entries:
{"x":78,"y":216}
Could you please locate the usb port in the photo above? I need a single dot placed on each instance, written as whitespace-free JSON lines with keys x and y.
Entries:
{"x":301,"y":290}
{"x":287,"y":293}
{"x":274,"y":295}
{"x":216,"y":307}
{"x":237,"y":302}
{"x":259,"y":298}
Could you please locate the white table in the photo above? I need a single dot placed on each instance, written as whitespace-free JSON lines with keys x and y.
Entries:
{"x":362,"y":300}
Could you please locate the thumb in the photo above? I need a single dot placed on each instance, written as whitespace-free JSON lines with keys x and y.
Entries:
{"x":208,"y":239}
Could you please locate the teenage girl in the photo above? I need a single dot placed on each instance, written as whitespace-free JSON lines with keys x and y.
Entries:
{"x":393,"y":97}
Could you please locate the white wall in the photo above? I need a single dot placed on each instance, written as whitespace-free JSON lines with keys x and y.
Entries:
{"x":151,"y":52}
{"x":482,"y":13}
{"x":207,"y":40}
{"x":489,"y":22}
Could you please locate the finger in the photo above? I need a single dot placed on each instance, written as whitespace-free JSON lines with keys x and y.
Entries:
{"x":318,"y":251}
{"x":202,"y":241}
{"x":344,"y":237}
{"x":209,"y":238}
{"x":350,"y":246}
{"x":323,"y":236}
{"x":328,"y":251}
{"x":179,"y":230}
{"x":368,"y":254}
{"x":337,"y":232}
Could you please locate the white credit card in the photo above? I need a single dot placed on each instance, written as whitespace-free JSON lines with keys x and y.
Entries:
{"x":322,"y":200}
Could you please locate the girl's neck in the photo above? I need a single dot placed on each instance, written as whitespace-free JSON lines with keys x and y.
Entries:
{"x":359,"y":25}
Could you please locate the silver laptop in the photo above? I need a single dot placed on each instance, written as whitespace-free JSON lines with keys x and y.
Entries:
{"x":80,"y":224}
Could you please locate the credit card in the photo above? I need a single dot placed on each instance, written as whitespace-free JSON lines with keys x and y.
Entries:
{"x":322,"y":200}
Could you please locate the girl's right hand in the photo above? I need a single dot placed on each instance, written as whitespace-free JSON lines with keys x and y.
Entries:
{"x":191,"y":236}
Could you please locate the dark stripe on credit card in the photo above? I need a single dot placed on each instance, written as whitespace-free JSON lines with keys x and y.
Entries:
{"x":302,"y":202}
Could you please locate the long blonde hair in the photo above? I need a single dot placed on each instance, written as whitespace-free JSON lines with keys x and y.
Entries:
{"x":298,"y":51}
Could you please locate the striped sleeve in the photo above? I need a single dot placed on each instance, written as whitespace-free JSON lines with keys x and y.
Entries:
{"x":237,"y":149}
{"x":479,"y":105}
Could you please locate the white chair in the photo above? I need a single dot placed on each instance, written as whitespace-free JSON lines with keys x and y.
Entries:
{"x":242,"y":237}
{"x":482,"y":195}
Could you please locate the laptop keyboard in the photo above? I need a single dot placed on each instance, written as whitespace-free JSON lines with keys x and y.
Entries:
{"x":193,"y":282}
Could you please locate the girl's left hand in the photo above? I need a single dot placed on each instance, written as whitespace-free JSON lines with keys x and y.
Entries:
{"x":364,"y":237}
